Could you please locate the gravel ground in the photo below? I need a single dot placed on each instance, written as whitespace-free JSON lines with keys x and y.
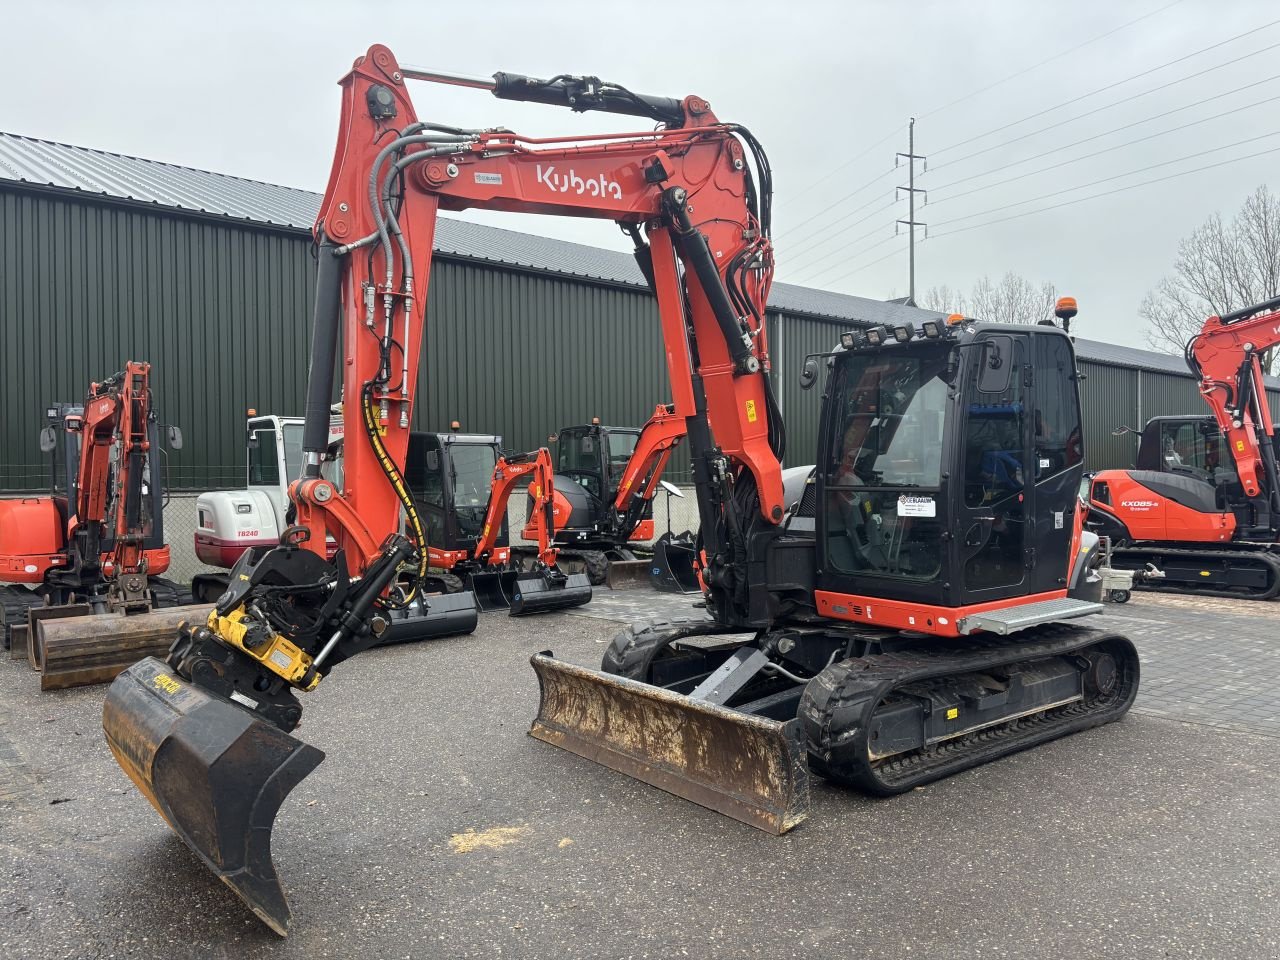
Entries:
{"x":437,"y":828}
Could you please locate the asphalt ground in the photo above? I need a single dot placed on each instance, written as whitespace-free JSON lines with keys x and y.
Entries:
{"x":437,"y":828}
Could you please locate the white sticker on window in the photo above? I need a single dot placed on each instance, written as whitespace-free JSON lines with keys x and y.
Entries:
{"x":1044,"y":464}
{"x":1057,"y":520}
{"x":916,"y":506}
{"x":493,"y":179}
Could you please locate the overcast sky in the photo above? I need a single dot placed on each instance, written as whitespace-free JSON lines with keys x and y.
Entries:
{"x":249,"y":89}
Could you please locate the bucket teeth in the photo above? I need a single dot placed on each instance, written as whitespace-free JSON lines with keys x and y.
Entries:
{"x":745,"y":766}
{"x":213,"y":770}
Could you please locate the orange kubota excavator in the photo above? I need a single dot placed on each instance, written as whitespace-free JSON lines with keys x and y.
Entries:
{"x":606,"y":479}
{"x":485,"y":567}
{"x":1202,"y":510}
{"x":96,"y":543}
{"x":857,"y":620}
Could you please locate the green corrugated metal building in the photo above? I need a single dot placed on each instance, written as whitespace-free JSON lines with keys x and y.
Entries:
{"x":105,"y":258}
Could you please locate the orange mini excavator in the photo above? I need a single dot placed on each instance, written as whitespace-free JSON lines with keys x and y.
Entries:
{"x":96,"y":542}
{"x":1202,"y":509}
{"x":606,"y":479}
{"x":904,"y":615}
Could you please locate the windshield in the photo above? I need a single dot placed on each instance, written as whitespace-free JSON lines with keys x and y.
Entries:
{"x":621,"y":445}
{"x":891,"y":409}
{"x":292,"y":451}
{"x":472,"y":473}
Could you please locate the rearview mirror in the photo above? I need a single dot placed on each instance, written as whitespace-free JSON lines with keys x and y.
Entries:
{"x":997,"y":365}
{"x":175,"y":438}
{"x":809,"y":375}
{"x":433,"y":460}
{"x":48,"y":440}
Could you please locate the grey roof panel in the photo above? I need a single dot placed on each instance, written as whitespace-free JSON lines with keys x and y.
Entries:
{"x":63,"y":166}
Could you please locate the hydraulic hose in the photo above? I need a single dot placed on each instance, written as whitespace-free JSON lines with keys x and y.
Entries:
{"x":698,"y":254}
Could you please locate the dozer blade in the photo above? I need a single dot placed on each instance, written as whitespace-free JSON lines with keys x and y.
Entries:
{"x":542,"y":592}
{"x":213,"y":770}
{"x":747,"y":767}
{"x":493,"y":588}
{"x":671,"y":570}
{"x":625,"y":574}
{"x":446,"y":615}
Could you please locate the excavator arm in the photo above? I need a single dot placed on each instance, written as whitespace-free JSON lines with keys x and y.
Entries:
{"x":638,"y":484}
{"x":291,"y":614}
{"x":510,"y":469}
{"x":1226,"y":358}
{"x":109,"y":480}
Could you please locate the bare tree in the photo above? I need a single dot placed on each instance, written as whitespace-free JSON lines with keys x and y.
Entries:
{"x":1013,"y":299}
{"x":1219,"y":268}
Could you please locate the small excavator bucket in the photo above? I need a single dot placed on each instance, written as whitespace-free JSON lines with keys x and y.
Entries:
{"x":446,"y":615}
{"x":745,"y":766}
{"x":625,"y":574}
{"x":493,"y":588}
{"x":214,"y":771}
{"x":672,"y":569}
{"x":543,"y":591}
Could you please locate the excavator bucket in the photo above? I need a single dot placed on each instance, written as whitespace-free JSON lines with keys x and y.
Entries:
{"x":625,"y":574}
{"x":445,"y":615}
{"x":745,"y":766}
{"x":541,"y":592}
{"x":214,"y":771}
{"x":493,"y":588}
{"x":672,"y":569}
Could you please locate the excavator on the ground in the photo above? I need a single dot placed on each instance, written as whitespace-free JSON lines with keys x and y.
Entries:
{"x":905,"y":614}
{"x":606,"y":479}
{"x":95,"y":543}
{"x":461,"y":483}
{"x":1201,"y":513}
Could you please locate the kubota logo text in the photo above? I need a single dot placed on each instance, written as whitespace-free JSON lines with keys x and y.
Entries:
{"x":600,"y":186}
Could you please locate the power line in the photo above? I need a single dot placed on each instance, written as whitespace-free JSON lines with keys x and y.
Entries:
{"x":1118,"y":176}
{"x":823,"y":179}
{"x":835,"y":203}
{"x":1105,"y":193}
{"x":1107,"y":133}
{"x":853,"y":255}
{"x":859,"y":269}
{"x":844,"y":248}
{"x":1047,"y":60}
{"x":1098,"y":153}
{"x":1129,"y":79}
{"x":1107,"y":106}
{"x":808,"y":243}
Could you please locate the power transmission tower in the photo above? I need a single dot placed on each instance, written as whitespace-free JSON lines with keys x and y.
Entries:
{"x":911,"y":222}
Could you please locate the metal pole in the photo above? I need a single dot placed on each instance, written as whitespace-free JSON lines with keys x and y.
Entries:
{"x":911,"y":223}
{"x":911,"y":209}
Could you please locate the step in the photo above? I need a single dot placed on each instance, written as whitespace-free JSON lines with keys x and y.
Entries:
{"x":1013,"y":619}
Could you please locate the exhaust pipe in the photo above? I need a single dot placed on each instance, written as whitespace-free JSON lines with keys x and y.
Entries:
{"x":214,"y":771}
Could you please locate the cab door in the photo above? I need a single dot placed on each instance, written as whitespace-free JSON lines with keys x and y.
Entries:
{"x":992,"y":545}
{"x":1057,"y":459}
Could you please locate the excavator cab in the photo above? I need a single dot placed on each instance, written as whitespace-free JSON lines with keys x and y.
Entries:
{"x":594,"y":457}
{"x":449,"y":475}
{"x":951,"y":468}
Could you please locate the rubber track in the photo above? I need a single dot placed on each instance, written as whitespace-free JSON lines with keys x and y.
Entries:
{"x":16,"y":601}
{"x":632,"y":650}
{"x":168,"y":593}
{"x":837,"y":707}
{"x":1262,"y":555}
